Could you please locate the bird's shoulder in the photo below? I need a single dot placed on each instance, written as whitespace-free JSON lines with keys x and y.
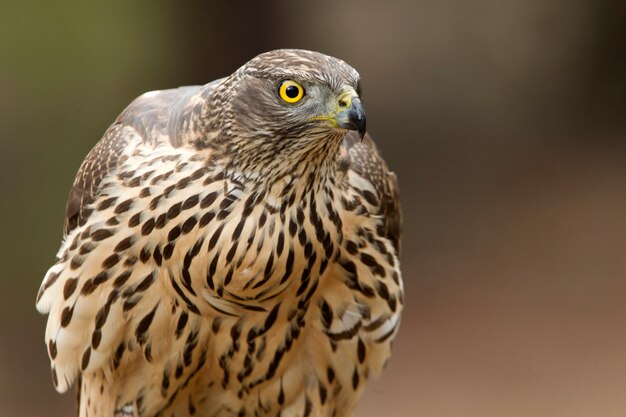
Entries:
{"x":156,"y":118}
{"x":366,"y":172}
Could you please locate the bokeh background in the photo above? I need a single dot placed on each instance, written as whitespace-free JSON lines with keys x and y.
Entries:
{"x":504,"y":120}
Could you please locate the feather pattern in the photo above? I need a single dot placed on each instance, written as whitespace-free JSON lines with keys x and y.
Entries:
{"x":224,"y":254}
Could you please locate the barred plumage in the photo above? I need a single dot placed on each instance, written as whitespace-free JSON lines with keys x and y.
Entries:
{"x":228,"y":253}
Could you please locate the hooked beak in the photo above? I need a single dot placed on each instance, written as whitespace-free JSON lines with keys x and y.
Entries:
{"x":352,"y":117}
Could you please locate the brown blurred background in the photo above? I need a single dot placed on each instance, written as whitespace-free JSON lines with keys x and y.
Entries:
{"x":504,"y":120}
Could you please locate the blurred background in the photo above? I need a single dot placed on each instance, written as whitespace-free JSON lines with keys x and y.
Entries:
{"x":504,"y":120}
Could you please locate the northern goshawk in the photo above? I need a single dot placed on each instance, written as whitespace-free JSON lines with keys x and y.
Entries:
{"x":230,"y":250}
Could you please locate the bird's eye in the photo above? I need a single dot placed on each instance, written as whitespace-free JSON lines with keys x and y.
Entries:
{"x":290,"y":91}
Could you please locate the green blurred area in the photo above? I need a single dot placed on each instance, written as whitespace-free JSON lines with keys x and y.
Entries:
{"x":505,"y":122}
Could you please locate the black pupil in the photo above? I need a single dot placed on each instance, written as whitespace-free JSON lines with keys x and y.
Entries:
{"x":292,"y":91}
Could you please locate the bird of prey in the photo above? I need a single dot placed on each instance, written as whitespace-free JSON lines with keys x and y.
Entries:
{"x":229,"y":250}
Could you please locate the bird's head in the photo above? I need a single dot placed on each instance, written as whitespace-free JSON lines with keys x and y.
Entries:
{"x":289,"y":94}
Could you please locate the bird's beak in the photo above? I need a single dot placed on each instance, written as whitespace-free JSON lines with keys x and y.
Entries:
{"x":351,"y":114}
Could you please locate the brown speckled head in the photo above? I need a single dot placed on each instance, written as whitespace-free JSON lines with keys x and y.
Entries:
{"x":258,"y":111}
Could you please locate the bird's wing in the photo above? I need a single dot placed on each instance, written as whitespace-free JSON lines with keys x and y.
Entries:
{"x":144,"y":121}
{"x":367,"y":283}
{"x":108,"y":284}
{"x":363,"y":158}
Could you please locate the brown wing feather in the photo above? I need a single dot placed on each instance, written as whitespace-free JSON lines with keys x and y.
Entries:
{"x":364,"y":158}
{"x":100,"y":161}
{"x":154,"y":118}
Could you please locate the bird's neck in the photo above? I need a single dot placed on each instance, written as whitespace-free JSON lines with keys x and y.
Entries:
{"x":306,"y":163}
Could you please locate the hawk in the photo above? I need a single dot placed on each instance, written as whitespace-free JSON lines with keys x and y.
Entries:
{"x":229,"y":250}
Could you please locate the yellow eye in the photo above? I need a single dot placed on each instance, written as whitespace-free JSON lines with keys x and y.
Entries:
{"x":290,"y":91}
